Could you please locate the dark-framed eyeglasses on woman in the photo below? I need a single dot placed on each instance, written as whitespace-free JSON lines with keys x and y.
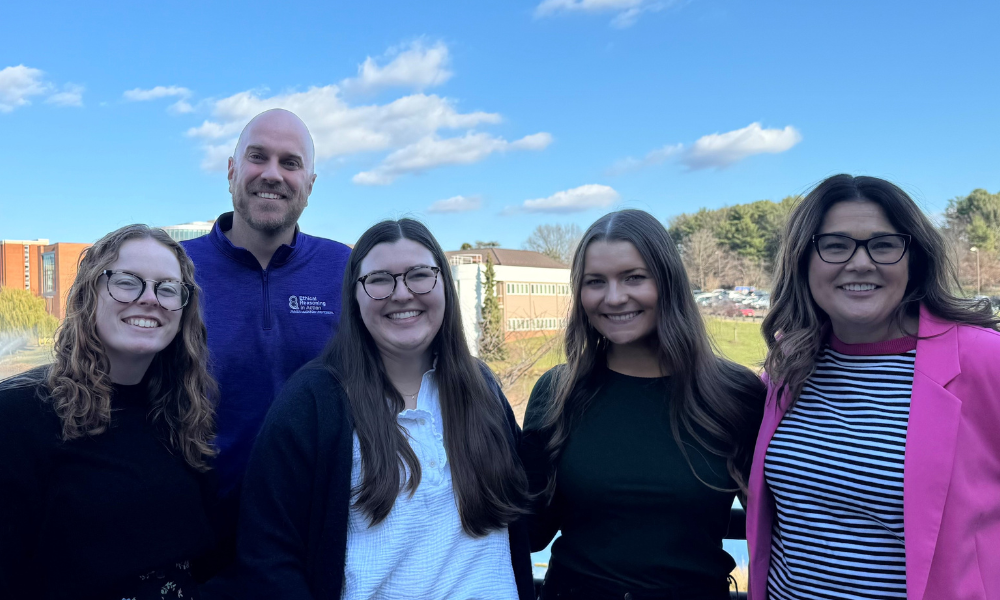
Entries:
{"x":128,"y":287}
{"x":887,"y":249}
{"x":379,"y":285}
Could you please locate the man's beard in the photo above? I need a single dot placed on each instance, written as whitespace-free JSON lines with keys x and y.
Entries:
{"x":272,"y":223}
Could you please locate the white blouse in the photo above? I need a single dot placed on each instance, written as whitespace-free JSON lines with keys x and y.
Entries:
{"x":420,"y":550}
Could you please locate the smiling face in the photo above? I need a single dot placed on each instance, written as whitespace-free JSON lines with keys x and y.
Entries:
{"x":133,"y":333}
{"x":271,"y":174}
{"x":618,"y":292}
{"x":859,"y":296}
{"x":405,"y":324}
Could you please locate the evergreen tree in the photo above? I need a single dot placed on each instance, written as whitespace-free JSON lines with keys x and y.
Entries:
{"x":741,"y":234}
{"x":491,"y":335}
{"x":978,"y":216}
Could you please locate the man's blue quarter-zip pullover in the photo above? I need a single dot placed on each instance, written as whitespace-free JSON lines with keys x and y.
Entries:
{"x":263,"y":324}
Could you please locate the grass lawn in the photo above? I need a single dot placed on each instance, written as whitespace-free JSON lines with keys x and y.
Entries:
{"x":28,"y":358}
{"x":739,"y":341}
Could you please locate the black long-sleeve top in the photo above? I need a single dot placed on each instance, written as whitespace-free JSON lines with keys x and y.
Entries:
{"x":631,"y":512}
{"x":89,"y":517}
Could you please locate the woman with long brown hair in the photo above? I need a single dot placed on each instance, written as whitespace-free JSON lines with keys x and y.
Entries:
{"x":877,"y":468}
{"x":388,"y":467}
{"x":102,"y":453}
{"x":637,"y":446}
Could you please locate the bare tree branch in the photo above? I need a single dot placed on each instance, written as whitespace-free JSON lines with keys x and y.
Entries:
{"x":555,"y":241}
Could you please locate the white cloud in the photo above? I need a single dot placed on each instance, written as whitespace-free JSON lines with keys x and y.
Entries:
{"x":18,"y":84}
{"x":160,"y":91}
{"x":717,"y":150}
{"x":182,"y":105}
{"x":723,"y":149}
{"x":432,"y":151}
{"x":419,"y":67}
{"x":72,"y":95}
{"x":338,"y":129}
{"x":575,"y":200}
{"x":548,"y":7}
{"x":456,"y":204}
{"x":628,"y":11}
{"x":413,"y":129}
{"x":658,"y":156}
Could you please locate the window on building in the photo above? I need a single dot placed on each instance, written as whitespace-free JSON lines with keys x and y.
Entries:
{"x":27,"y":267}
{"x":48,"y":273}
{"x":536,"y":324}
{"x":517,"y":289}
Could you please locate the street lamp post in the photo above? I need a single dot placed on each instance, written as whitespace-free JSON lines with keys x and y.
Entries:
{"x":976,"y":250}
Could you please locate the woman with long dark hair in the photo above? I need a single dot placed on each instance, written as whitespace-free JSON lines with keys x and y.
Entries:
{"x":102,"y":453}
{"x":637,"y":446}
{"x":877,"y":468}
{"x":388,"y":468}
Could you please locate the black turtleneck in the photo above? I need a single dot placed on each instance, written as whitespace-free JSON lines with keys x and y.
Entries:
{"x":86,"y":518}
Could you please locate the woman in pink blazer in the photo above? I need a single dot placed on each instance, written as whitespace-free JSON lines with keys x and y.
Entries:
{"x":876,"y":472}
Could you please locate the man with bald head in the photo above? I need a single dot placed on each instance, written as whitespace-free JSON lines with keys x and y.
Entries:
{"x":271,"y":294}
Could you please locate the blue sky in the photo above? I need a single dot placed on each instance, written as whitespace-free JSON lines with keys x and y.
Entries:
{"x":504,"y":115}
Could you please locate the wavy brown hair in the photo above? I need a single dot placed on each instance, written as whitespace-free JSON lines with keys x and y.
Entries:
{"x":795,"y":328}
{"x":489,"y":483}
{"x":181,"y":391}
{"x":717,"y":402}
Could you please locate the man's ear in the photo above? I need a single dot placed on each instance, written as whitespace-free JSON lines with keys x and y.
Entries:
{"x":231,"y":175}
{"x":312,"y":180}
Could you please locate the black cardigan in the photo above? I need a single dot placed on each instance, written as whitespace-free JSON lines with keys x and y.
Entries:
{"x":292,"y":541}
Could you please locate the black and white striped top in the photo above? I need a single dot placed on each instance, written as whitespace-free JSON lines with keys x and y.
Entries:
{"x":835,"y":468}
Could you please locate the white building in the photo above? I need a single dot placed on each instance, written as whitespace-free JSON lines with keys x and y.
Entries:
{"x":187,"y":231}
{"x":533,"y":291}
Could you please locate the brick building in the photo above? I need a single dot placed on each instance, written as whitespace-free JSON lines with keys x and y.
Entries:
{"x":533,"y":291}
{"x":46,"y":270}
{"x":19,"y":264}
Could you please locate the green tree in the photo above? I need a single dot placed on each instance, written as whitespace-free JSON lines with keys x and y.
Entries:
{"x":684,"y":226}
{"x":466,"y":246}
{"x":981,"y":235}
{"x":491,"y":335}
{"x":977,"y":218}
{"x":23,"y":313}
{"x":770,"y":218}
{"x":741,"y":234}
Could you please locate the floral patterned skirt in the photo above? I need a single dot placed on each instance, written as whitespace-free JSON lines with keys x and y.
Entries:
{"x":170,"y":583}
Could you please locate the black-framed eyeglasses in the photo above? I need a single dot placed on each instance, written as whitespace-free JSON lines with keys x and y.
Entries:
{"x":885,"y":249}
{"x":128,"y":287}
{"x":379,"y":285}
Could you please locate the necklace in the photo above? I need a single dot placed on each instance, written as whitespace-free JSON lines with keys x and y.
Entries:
{"x":410,"y":396}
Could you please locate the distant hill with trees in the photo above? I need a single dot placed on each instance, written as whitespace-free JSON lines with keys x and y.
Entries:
{"x":737,"y":245}
{"x":733,"y":245}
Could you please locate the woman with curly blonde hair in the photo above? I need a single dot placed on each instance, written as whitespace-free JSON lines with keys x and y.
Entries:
{"x":103,"y":452}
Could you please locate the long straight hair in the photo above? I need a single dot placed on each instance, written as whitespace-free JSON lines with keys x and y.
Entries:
{"x":794,"y":328}
{"x":181,"y":391}
{"x":717,"y":402}
{"x":489,"y":483}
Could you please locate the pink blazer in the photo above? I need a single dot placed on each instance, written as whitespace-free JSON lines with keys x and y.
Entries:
{"x":951,"y":473}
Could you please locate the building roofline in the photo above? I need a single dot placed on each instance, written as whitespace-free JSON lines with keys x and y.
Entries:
{"x":510,"y":258}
